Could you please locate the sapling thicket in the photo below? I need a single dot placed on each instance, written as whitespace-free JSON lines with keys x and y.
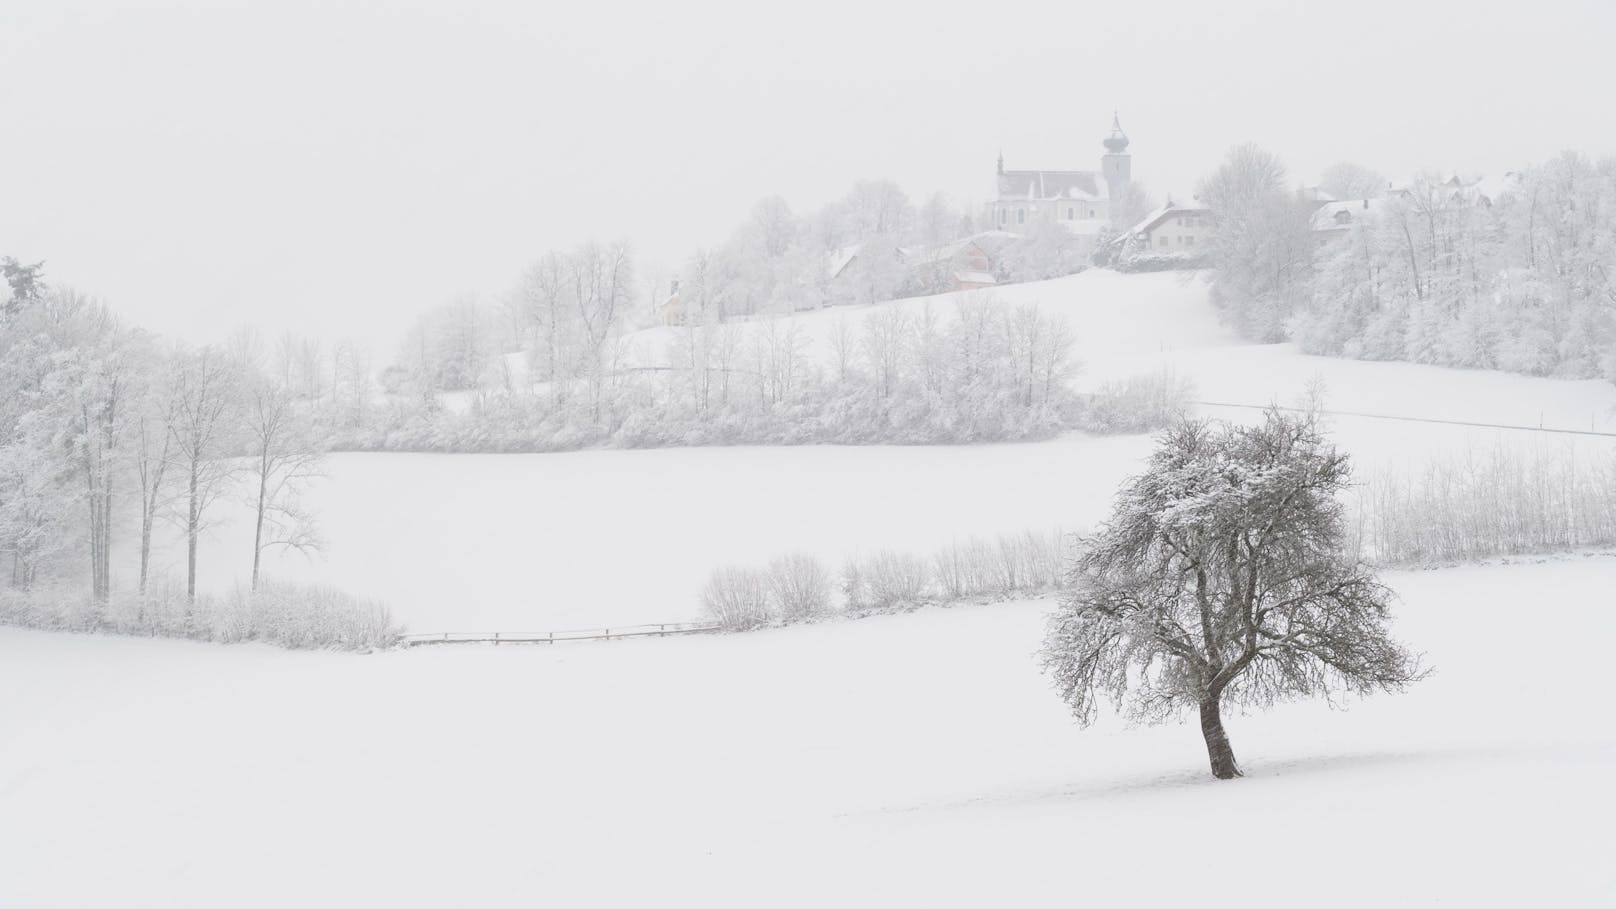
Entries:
{"x":1222,"y":578}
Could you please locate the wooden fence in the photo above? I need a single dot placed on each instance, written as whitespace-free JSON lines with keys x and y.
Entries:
{"x":662,"y":630}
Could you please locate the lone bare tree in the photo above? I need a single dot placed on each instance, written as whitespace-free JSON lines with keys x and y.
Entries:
{"x":1222,"y":577}
{"x":205,"y":388}
{"x":284,"y":456}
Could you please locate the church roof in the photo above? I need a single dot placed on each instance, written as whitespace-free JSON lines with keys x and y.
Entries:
{"x":1051,"y":184}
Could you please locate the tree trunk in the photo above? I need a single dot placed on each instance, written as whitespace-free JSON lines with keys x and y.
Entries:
{"x":145,"y":545}
{"x":258,"y":522}
{"x":1218,"y":749}
{"x":193,"y":529}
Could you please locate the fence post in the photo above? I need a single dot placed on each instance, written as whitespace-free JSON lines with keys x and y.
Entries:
{"x":496,"y":639}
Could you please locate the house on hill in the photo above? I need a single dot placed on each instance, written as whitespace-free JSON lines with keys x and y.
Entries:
{"x":1174,"y":228}
{"x":961,"y":265}
{"x":1335,"y":218}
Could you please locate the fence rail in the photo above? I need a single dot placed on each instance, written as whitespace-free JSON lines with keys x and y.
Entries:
{"x":661,"y":630}
{"x":1385,"y":416}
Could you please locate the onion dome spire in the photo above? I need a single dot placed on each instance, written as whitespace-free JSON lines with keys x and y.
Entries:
{"x":1117,"y":142}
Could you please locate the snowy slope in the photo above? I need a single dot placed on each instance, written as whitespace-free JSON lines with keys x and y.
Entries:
{"x":916,"y":760}
{"x":591,"y":539}
{"x":1127,"y":325}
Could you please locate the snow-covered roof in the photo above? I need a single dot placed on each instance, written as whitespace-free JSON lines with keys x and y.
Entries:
{"x":1341,"y":215}
{"x":1465,"y":188}
{"x":939,"y":253}
{"x":1163,"y":213}
{"x":1046,"y":185}
{"x":991,"y":241}
{"x":838,"y":259}
{"x":1494,"y":187}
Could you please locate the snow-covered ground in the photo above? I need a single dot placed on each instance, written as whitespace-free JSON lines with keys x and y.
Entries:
{"x":915,"y":760}
{"x":905,"y":760}
{"x":591,"y":539}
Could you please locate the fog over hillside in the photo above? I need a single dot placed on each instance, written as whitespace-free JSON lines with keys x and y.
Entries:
{"x":338,"y":167}
{"x":822,"y":454}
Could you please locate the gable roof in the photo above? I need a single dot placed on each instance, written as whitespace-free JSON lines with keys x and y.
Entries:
{"x":1052,"y":184}
{"x":1341,"y":215}
{"x":837,"y":260}
{"x":1161,"y":214}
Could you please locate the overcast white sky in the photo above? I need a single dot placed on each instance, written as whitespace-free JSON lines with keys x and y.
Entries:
{"x":337,"y":167}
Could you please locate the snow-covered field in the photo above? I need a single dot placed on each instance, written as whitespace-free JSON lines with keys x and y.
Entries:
{"x":905,"y":760}
{"x":591,"y":539}
{"x":915,"y":760}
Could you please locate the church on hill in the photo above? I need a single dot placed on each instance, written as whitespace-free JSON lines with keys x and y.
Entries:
{"x":1081,"y":201}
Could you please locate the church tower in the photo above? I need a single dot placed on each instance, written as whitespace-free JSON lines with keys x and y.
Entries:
{"x":1116,"y":165}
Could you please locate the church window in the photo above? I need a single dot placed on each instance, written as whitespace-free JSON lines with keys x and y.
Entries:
{"x":1021,"y":216}
{"x":1069,"y":215}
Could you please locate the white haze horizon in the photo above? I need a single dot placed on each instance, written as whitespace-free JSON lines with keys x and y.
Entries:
{"x":336,"y":168}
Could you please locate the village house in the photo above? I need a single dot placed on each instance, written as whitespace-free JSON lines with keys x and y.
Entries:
{"x":1336,"y":218}
{"x":1174,"y":228}
{"x":961,"y":265}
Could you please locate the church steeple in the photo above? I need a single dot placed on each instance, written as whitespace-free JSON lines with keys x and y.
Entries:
{"x":1116,"y":165}
{"x":1001,"y":162}
{"x":1117,"y":142}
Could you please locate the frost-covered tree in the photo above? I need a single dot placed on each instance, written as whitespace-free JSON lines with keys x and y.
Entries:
{"x":878,"y":208}
{"x":1516,"y":278}
{"x":1222,"y":578}
{"x":202,"y":420}
{"x":284,"y":455}
{"x":938,"y":221}
{"x":25,"y":282}
{"x":1130,"y":206}
{"x":1346,"y":180}
{"x":1262,"y":247}
{"x":1045,"y":250}
{"x":151,"y":448}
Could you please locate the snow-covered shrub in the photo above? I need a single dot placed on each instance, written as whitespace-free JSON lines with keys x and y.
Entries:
{"x":1153,"y":262}
{"x":287,"y":615}
{"x":990,"y":373}
{"x":312,"y":616}
{"x":737,"y":598}
{"x":1008,"y":565}
{"x":887,"y":581}
{"x":1029,"y":562}
{"x":965,"y":569}
{"x":1139,"y":404}
{"x":1505,"y":503}
{"x":799,"y":586}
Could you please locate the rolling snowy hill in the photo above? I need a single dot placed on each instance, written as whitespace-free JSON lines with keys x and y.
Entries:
{"x":914,"y":760}
{"x":591,"y":539}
